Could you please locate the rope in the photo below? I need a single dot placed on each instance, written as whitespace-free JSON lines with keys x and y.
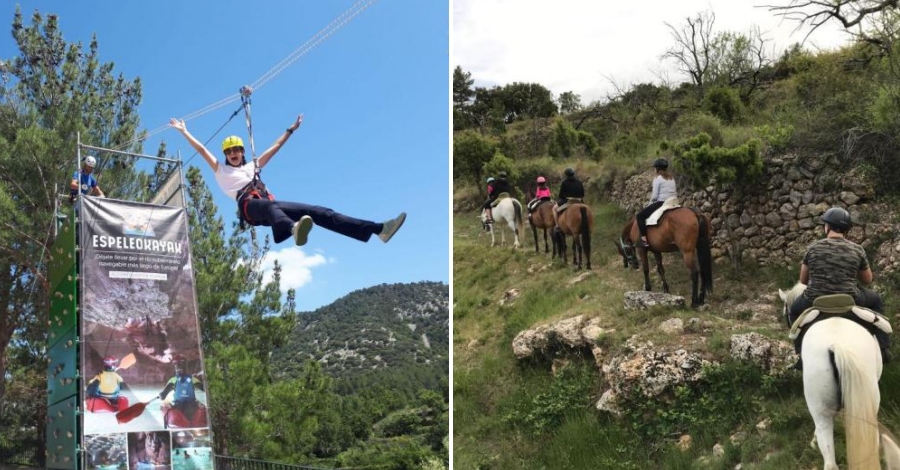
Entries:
{"x":311,"y":43}
{"x":246,"y":91}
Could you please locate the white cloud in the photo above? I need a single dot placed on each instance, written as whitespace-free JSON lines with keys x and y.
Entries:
{"x":296,"y":266}
{"x":580,"y":45}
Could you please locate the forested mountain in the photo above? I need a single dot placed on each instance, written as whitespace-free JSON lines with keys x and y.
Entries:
{"x":394,"y":335}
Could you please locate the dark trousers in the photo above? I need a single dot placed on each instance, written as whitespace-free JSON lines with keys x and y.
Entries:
{"x":866,"y":298}
{"x":641,"y":216}
{"x":281,"y":216}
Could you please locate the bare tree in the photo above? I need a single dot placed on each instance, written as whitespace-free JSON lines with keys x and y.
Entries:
{"x":815,"y":13}
{"x":693,"y":47}
{"x":737,"y":60}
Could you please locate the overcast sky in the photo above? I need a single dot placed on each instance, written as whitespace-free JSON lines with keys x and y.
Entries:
{"x":584,"y":45}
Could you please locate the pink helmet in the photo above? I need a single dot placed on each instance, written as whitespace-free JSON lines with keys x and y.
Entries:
{"x":541,"y":179}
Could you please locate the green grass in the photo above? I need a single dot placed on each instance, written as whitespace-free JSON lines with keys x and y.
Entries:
{"x":512,"y":414}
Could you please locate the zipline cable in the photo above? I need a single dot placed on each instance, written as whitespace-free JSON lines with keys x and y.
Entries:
{"x":311,"y":43}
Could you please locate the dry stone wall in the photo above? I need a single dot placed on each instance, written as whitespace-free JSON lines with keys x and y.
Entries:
{"x":773,"y":221}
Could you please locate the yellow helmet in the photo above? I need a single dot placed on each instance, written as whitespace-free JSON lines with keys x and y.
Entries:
{"x":232,"y":141}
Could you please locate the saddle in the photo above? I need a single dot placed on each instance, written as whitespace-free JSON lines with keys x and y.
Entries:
{"x":569,"y":200}
{"x":500,"y":197}
{"x":668,"y":204}
{"x":839,"y":305}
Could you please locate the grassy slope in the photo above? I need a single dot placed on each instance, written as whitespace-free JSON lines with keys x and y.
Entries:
{"x":512,"y":414}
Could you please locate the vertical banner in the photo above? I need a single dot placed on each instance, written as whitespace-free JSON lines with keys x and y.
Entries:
{"x":141,"y":361}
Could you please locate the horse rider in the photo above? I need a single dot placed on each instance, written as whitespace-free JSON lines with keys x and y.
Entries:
{"x":832,"y":265}
{"x":570,"y":190}
{"x":663,"y":188}
{"x":499,"y":188}
{"x":542,"y":193}
{"x":486,"y":207}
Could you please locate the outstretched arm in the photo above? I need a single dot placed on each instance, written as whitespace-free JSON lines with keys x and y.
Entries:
{"x":270,"y":152}
{"x":207,"y":155}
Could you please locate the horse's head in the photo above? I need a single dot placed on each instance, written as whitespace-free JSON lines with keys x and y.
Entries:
{"x":789,"y":296}
{"x":626,"y":250}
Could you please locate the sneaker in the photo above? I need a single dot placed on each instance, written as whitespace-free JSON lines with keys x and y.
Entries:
{"x":390,"y":227}
{"x":301,"y":230}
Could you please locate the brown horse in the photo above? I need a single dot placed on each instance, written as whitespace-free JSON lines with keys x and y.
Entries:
{"x":684,"y":229}
{"x":577,"y":220}
{"x":542,"y":218}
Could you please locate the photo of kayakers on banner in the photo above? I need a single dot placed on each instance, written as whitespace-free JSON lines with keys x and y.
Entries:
{"x":143,"y":369}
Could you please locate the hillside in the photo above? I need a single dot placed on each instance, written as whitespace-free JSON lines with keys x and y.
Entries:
{"x":395,"y":335}
{"x":544,"y":410}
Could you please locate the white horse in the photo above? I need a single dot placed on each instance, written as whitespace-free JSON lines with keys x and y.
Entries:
{"x":841,"y":368}
{"x":508,"y":210}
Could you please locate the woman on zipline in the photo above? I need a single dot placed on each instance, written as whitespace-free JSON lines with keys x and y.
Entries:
{"x":256,"y":206}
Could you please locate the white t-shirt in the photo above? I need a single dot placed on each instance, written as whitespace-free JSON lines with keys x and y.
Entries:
{"x":663,"y":189}
{"x":232,"y":178}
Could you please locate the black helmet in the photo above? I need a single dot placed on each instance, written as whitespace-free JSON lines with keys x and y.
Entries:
{"x":661,"y":163}
{"x":570,"y":172}
{"x":502,"y":174}
{"x":838,"y":219}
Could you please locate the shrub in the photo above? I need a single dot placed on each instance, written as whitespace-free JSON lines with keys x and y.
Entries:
{"x":703,"y":163}
{"x":691,"y":124}
{"x":723,"y":102}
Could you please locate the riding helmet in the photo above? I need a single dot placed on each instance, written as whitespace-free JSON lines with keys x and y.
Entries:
{"x":661,"y":163}
{"x":570,"y":172}
{"x":838,"y":218}
{"x":541,"y":179}
{"x":489,"y":180}
{"x":502,"y":174}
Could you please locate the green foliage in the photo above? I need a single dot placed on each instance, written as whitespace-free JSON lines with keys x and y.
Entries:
{"x":630,"y":146}
{"x":402,"y":453}
{"x":703,"y":163}
{"x":566,"y":141}
{"x":470,"y":153}
{"x":724,"y":103}
{"x":569,"y":102}
{"x":50,"y":90}
{"x":713,"y":406}
{"x":776,"y":136}
{"x":363,"y":341}
{"x":883,"y":109}
{"x":691,"y":124}
{"x":543,"y":412}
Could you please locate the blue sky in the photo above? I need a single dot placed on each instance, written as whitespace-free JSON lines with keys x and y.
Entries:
{"x":374,"y":95}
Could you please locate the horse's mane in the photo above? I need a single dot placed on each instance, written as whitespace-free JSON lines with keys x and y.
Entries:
{"x":795,"y":292}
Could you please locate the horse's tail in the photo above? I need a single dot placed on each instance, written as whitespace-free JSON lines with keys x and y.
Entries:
{"x":585,"y":232}
{"x":889,"y":448}
{"x":518,"y":213}
{"x":704,"y":254}
{"x":860,"y":396}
